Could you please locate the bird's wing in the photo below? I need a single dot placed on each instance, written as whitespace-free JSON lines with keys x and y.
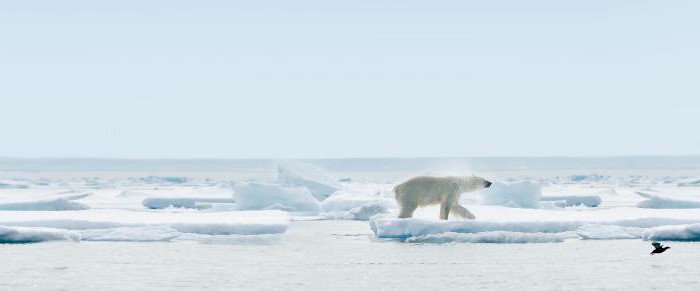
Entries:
{"x":656,"y":244}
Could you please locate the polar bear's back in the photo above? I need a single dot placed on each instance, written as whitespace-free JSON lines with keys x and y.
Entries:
{"x":424,"y":190}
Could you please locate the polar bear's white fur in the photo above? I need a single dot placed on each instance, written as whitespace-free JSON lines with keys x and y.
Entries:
{"x":424,"y":190}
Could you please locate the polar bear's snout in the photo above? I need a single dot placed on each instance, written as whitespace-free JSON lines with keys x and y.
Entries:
{"x":487,"y":184}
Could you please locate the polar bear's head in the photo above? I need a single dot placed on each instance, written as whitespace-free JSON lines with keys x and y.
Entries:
{"x":472,"y":183}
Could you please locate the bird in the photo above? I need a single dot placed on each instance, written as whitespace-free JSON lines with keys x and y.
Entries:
{"x":658,"y":248}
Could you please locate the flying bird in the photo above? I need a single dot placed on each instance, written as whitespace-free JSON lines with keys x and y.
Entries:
{"x":658,"y":248}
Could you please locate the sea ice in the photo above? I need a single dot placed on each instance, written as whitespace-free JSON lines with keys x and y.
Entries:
{"x":319,"y":183}
{"x":212,"y":223}
{"x":65,"y":202}
{"x":674,"y":232}
{"x":35,"y":234}
{"x":658,"y":202}
{"x":507,"y":237}
{"x":182,"y":202}
{"x":134,"y":234}
{"x":572,"y":200}
{"x":257,"y":196}
{"x":12,"y":185}
{"x":342,"y":200}
{"x":516,"y":194}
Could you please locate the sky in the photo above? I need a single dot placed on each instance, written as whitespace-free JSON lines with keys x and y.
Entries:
{"x":342,"y":79}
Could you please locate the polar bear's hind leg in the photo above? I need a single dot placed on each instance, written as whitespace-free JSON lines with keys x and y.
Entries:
{"x":462,"y":212}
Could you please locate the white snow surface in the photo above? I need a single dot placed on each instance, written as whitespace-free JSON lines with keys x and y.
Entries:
{"x":258,"y":196}
{"x":301,"y":174}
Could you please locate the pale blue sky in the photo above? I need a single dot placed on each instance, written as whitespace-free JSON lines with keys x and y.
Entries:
{"x":323,"y":79}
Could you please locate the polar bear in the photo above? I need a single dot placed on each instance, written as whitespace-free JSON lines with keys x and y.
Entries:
{"x":424,"y":190}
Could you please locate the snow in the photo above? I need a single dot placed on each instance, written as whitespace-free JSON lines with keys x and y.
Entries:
{"x":212,"y":223}
{"x":657,"y":201}
{"x":590,"y":201}
{"x":48,"y":204}
{"x":34,"y":234}
{"x":300,"y":174}
{"x":183,"y":202}
{"x":258,"y":195}
{"x":524,"y":194}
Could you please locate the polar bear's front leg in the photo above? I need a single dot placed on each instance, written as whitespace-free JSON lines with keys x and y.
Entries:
{"x":461,"y":211}
{"x":445,"y":207}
